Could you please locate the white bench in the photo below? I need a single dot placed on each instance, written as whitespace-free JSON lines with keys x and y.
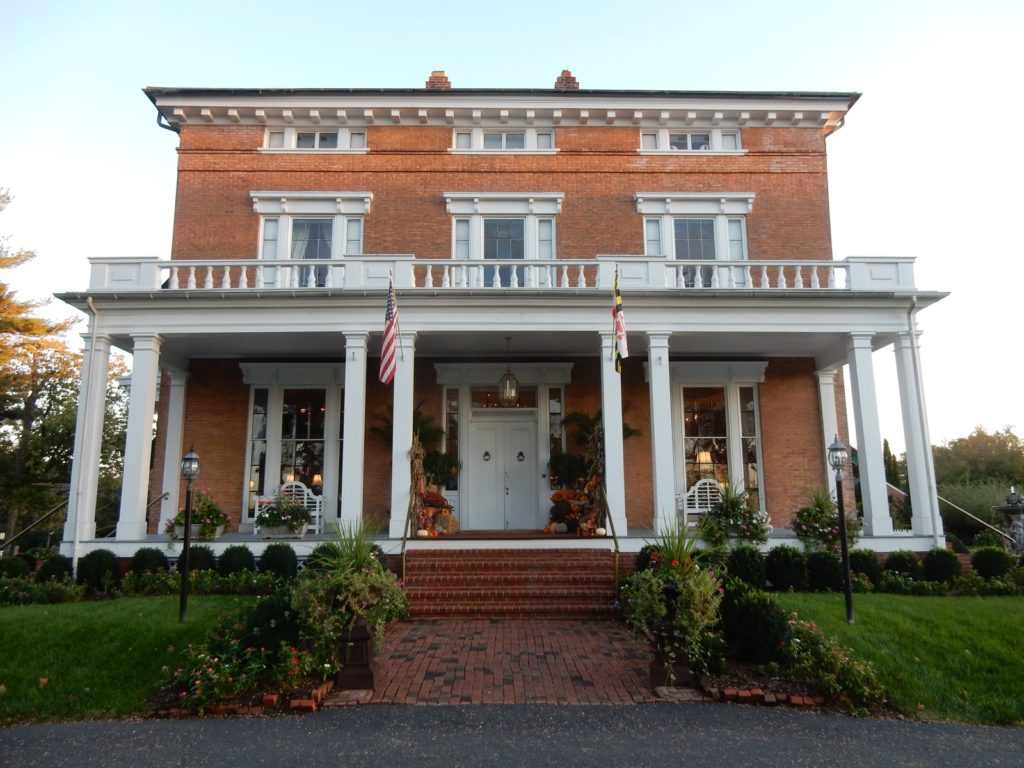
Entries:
{"x":300,"y":494}
{"x":698,"y":501}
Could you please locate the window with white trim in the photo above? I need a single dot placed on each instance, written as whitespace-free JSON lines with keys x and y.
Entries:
{"x":504,"y":227}
{"x":698,"y":140}
{"x":513,"y":140}
{"x":696,"y":227}
{"x":308,"y":226}
{"x":334,"y":140}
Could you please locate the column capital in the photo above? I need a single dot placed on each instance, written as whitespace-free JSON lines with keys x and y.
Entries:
{"x":658,"y":339}
{"x":101,"y":339}
{"x":826,"y":376}
{"x":356,"y":340}
{"x":147,"y":341}
{"x":177,"y":378}
{"x":861,"y":341}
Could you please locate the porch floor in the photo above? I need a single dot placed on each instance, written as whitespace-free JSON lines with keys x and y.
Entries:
{"x":512,"y":661}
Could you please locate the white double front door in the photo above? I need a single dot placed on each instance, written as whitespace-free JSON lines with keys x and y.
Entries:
{"x":502,"y":474}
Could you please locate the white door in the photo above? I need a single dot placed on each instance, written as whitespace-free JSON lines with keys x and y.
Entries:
{"x":502,"y":476}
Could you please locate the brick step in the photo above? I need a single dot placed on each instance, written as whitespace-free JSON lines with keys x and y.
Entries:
{"x":533,"y":609}
{"x":520,"y":592}
{"x":456,"y":553}
{"x":501,"y":579}
{"x":603,"y":571}
{"x":507,"y":558}
{"x":509,"y":561}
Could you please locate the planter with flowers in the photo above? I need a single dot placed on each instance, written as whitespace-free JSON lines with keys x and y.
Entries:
{"x":282,"y":518}
{"x":208,"y":519}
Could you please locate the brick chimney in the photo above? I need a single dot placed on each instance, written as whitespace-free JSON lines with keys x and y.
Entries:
{"x":438,"y":81}
{"x":566,"y":82}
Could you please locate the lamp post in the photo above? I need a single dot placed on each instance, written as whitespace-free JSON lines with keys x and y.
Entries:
{"x":190,"y":471}
{"x":837,"y":460}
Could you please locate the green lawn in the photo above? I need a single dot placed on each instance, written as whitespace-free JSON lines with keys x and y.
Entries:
{"x":948,"y":658}
{"x":100,"y":659}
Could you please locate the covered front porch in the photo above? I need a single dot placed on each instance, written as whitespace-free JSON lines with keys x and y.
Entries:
{"x":755,"y":360}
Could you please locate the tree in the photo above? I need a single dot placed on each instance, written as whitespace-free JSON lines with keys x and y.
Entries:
{"x":981,"y":457}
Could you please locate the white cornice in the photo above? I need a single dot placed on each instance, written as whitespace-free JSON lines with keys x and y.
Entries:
{"x":645,"y":111}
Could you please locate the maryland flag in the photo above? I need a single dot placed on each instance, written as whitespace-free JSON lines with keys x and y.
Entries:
{"x":619,"y":326}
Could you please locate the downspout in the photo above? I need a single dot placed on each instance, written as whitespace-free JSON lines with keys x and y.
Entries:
{"x":915,"y":357}
{"x":165,"y":125}
{"x":83,"y":404}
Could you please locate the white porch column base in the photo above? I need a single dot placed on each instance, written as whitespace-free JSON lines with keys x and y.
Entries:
{"x":829,"y":422}
{"x":131,"y":523}
{"x":401,"y":431}
{"x":85,"y":467}
{"x":614,"y":457}
{"x":353,"y":445}
{"x":923,"y":495}
{"x":178,"y":385}
{"x":877,"y":521}
{"x":662,"y":459}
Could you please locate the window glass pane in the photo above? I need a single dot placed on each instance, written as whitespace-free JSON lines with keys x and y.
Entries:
{"x":652,"y":234}
{"x":305,"y":140}
{"x":462,"y":140}
{"x":328,"y":140}
{"x":648,"y":141}
{"x":353,"y":236}
{"x":451,"y":432}
{"x":736,"y":249}
{"x":706,"y":436}
{"x":269,"y":249}
{"x":515,"y":141}
{"x":695,"y":239}
{"x":462,"y":238}
{"x":700,"y":141}
{"x":730,"y":141}
{"x":357,"y":140}
{"x":259,"y":414}
{"x":678,"y":141}
{"x":545,"y":239}
{"x":302,"y":435}
{"x":275,"y":139}
{"x":488,"y":398}
{"x":492,"y":141}
{"x":311,"y":238}
{"x":545,"y":141}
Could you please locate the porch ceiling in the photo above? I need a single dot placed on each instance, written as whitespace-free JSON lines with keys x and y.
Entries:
{"x":827,"y":347}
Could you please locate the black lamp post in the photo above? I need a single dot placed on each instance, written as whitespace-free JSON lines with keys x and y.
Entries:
{"x":190,"y":471}
{"x":837,"y":460}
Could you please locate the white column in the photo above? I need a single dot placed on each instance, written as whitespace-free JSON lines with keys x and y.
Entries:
{"x":829,"y":422}
{"x":173,"y":430}
{"x":401,"y":432}
{"x":877,"y":521}
{"x":920,"y":471}
{"x":611,"y":412}
{"x":354,"y":443}
{"x":662,"y":459}
{"x":334,"y":403}
{"x":131,"y":523}
{"x":85,"y":467}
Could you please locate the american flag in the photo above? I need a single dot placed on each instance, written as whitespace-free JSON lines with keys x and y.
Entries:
{"x":619,"y":326}
{"x":387,"y":352}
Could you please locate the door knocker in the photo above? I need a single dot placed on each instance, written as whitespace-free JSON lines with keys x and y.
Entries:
{"x":487,"y":455}
{"x":521,"y":456}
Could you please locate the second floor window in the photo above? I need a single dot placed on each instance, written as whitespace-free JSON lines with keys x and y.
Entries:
{"x":334,"y":140}
{"x":702,"y":140}
{"x":516,"y":140}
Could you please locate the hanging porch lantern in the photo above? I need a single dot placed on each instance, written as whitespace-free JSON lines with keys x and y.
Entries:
{"x":508,"y":384}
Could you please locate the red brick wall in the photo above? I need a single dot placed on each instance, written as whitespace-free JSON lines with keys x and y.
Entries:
{"x":409,"y":168}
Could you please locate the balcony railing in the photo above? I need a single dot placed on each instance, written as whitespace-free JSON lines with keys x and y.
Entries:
{"x":372,"y":272}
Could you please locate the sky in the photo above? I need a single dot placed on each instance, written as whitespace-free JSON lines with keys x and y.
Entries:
{"x":928,"y":163}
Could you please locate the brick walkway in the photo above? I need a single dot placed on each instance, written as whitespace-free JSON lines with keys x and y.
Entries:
{"x":512,"y":661}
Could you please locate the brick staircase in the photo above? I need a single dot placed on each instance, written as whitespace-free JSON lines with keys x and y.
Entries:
{"x":510,"y":583}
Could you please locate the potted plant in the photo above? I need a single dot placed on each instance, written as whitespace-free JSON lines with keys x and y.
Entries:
{"x":208,"y":519}
{"x":282,"y":517}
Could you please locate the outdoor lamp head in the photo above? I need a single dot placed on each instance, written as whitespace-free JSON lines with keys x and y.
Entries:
{"x":837,"y":455}
{"x":190,"y":465}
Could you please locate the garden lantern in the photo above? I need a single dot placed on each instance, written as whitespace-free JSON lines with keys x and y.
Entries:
{"x":189,"y":471}
{"x":837,"y":460}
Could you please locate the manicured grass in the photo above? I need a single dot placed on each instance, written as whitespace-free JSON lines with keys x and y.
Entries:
{"x":948,"y":658}
{"x":99,"y":659}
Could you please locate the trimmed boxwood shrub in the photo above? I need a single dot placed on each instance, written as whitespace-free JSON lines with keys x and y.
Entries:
{"x":280,"y":560}
{"x":865,"y":561}
{"x":149,"y":560}
{"x":756,"y":627}
{"x":786,"y":568}
{"x":991,"y":562}
{"x":13,"y":568}
{"x":234,"y":559}
{"x":271,"y":622}
{"x":941,"y":565}
{"x":30,"y":560}
{"x":320,"y":553}
{"x":54,"y":567}
{"x":905,"y":562}
{"x":98,"y":570}
{"x":747,"y":564}
{"x":200,"y":558}
{"x":824,"y":572}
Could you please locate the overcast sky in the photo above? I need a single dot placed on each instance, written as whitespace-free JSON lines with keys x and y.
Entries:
{"x":928,"y":164}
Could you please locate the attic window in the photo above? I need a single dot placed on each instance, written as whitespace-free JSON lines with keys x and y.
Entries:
{"x":510,"y":141}
{"x":310,"y":139}
{"x":701,"y":140}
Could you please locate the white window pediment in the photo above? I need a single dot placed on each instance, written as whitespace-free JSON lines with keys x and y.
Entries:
{"x":504,"y":203}
{"x":311,"y":203}
{"x":694,"y":203}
